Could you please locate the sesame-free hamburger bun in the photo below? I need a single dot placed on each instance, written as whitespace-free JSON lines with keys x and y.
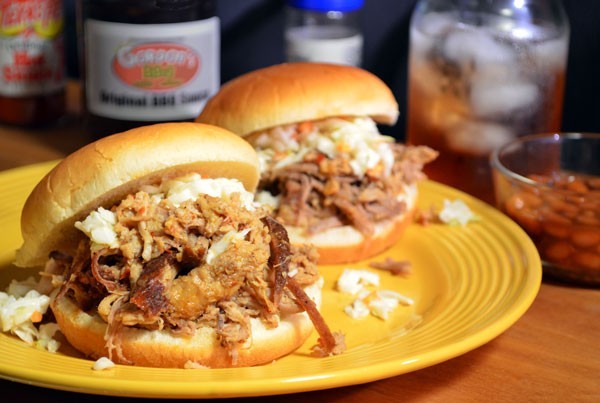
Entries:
{"x":296,"y":92}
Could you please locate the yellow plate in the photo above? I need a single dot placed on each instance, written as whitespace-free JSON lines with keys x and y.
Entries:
{"x":469,"y":284}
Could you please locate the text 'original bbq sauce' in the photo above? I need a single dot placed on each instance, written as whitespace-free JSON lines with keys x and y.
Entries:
{"x":147,"y":61}
{"x":32,"y":65}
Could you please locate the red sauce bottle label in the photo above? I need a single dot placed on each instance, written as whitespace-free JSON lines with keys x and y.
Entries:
{"x":31,"y":47}
{"x":151,"y":72}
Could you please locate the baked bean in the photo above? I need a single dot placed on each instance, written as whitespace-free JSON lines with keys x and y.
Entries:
{"x":531,"y":190}
{"x":551,"y":216}
{"x":588,"y":260}
{"x":558,"y":251}
{"x":529,"y":220}
{"x":588,"y":205}
{"x":574,"y":199}
{"x":588,"y":219}
{"x":578,"y":186}
{"x":526,"y":217}
{"x":554,"y":223}
{"x":569,"y":210}
{"x":558,"y":204}
{"x":557,"y":230}
{"x":586,"y":237}
{"x":524,"y":199}
{"x":531,"y":199}
{"x":594,"y":183}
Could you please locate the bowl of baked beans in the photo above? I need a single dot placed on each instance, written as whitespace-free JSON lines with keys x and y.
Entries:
{"x":550,"y":185}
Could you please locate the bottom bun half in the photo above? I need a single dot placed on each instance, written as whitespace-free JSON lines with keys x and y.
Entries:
{"x":154,"y":348}
{"x":347,"y":244}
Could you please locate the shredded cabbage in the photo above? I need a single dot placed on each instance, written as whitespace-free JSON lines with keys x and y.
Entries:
{"x":357,"y":138}
{"x":456,"y":213}
{"x":102,"y":364}
{"x":222,"y":244}
{"x":99,"y":225}
{"x":379,"y":303}
{"x":20,"y":306}
{"x":191,"y":186}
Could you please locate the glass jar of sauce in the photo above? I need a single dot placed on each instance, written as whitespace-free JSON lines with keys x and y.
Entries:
{"x":32,"y":63}
{"x":146,"y":61}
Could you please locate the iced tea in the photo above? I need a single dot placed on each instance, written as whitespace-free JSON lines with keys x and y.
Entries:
{"x":473,"y":87}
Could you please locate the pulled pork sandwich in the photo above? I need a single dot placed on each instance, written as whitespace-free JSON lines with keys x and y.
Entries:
{"x":156,"y":254}
{"x":330,"y":176}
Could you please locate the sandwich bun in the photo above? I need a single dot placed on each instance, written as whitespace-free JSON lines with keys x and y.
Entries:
{"x":296,"y":92}
{"x":105,"y":171}
{"x":255,"y":103}
{"x":159,"y":348}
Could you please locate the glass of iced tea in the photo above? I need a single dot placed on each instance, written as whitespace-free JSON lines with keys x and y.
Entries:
{"x":480,"y":74}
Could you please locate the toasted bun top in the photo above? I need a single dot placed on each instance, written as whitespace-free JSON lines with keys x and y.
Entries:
{"x":296,"y":92}
{"x":104,"y":172}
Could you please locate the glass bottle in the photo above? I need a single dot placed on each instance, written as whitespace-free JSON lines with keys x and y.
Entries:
{"x":482,"y":72}
{"x":324,"y":31}
{"x":32,"y":62}
{"x":147,"y":61}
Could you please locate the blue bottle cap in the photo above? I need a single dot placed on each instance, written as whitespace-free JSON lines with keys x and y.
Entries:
{"x":327,"y":5}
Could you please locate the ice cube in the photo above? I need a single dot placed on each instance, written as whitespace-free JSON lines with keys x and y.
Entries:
{"x":551,"y":55}
{"x":497,"y":99}
{"x":474,"y":46}
{"x":434,"y":24}
{"x":477,"y":138}
{"x":423,"y":33}
{"x":420,"y":44}
{"x":496,"y":73}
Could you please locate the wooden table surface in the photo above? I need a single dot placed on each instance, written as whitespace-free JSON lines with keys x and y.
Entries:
{"x":551,"y":354}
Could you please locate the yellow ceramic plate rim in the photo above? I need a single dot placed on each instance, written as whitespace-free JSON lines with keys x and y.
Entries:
{"x":469,"y":285}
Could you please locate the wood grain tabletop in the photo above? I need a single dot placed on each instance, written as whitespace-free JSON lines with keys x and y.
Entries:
{"x":551,"y":354}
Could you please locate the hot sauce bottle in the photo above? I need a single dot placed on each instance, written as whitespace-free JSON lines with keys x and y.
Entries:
{"x":147,"y":61}
{"x":32,"y":65}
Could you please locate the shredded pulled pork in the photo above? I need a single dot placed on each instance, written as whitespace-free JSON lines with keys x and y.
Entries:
{"x":279,"y":259}
{"x":396,"y":267}
{"x":280,"y":252}
{"x":318,"y":191}
{"x":205,"y":262}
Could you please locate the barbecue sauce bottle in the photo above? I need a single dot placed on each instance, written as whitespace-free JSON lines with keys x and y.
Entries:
{"x":146,"y":61}
{"x":32,"y":62}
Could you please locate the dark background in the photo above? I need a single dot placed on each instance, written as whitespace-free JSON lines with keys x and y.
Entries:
{"x":252,"y":37}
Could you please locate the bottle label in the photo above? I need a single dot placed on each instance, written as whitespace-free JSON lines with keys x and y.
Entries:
{"x":151,"y":72}
{"x":324,"y":44}
{"x":31,"y":47}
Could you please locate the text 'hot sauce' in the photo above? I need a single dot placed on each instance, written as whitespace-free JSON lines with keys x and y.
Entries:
{"x":32,"y":65}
